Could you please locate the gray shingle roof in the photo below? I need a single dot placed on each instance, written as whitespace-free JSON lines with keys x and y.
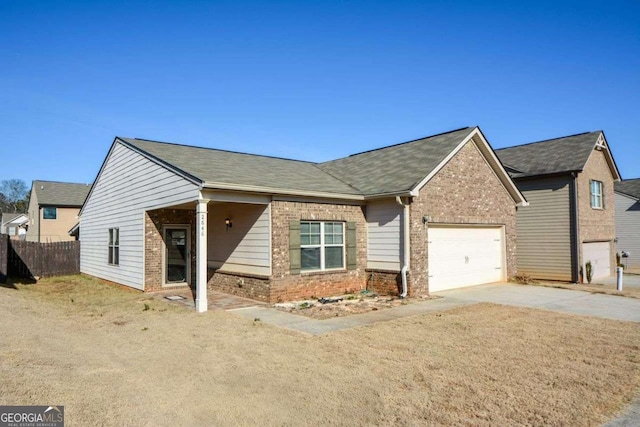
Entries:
{"x":219,"y":166}
{"x":50,"y":193}
{"x":566,"y":154}
{"x":630,"y":187}
{"x":396,"y":168}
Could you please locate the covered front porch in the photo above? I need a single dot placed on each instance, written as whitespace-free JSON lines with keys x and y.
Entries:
{"x":218,"y":243}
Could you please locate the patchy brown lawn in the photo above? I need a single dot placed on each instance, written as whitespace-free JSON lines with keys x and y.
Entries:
{"x":116,"y":357}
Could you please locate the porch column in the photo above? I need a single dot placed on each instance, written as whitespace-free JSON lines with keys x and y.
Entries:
{"x":201,"y":256}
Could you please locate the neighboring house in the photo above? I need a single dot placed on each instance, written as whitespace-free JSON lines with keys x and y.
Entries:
{"x":627,"y":194}
{"x":53,"y":210}
{"x":570,"y":221}
{"x":13,"y":224}
{"x":440,"y":209}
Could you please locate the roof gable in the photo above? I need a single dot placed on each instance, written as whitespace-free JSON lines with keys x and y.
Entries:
{"x":628,"y":187}
{"x":51,"y":193}
{"x":12,"y":217}
{"x":554,"y":156}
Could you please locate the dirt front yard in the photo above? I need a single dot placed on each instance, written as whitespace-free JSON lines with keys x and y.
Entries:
{"x":116,"y":357}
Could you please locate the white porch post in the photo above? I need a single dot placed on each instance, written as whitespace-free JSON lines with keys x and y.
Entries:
{"x":201,"y":256}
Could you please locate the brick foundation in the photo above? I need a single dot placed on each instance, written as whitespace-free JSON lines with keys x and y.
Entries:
{"x":238,"y":284}
{"x":384,"y":282}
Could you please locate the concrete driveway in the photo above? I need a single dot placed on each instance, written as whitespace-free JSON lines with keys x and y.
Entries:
{"x":628,"y":280}
{"x":562,"y":300}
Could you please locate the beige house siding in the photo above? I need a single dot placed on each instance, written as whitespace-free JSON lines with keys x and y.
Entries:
{"x":245,"y":246}
{"x":465,"y":191}
{"x":57,"y":230}
{"x":546,"y":234}
{"x":34,"y":218}
{"x":596,"y":224}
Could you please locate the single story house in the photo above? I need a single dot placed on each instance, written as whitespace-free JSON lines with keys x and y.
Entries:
{"x":14,"y":225}
{"x":53,"y":210}
{"x":570,"y":221}
{"x":424,"y":215}
{"x":627,"y":194}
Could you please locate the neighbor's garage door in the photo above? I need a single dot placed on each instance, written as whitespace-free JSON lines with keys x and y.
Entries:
{"x":599,"y":253}
{"x":465,"y":256}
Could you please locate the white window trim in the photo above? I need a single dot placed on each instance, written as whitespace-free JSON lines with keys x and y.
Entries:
{"x":322,"y":246}
{"x":112,"y":245}
{"x":596,"y":197}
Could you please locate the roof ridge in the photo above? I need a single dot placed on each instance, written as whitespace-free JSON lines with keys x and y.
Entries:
{"x":405,"y":142}
{"x":216,"y":149}
{"x":547,"y":140}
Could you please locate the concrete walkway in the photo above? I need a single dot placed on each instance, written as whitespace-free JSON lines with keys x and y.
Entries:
{"x":562,"y":300}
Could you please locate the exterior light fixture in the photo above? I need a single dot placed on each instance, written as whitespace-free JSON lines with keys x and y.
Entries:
{"x":228,"y":223}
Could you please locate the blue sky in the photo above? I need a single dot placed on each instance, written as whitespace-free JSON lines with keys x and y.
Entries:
{"x":308,"y":80}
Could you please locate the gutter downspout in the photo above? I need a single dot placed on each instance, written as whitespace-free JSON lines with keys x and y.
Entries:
{"x":405,"y":246}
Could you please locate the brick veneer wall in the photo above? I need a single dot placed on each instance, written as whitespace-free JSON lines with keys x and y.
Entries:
{"x":384,"y":282}
{"x":154,"y":243}
{"x":246,"y":286}
{"x":596,"y":224}
{"x":464,"y":191}
{"x":286,"y":286}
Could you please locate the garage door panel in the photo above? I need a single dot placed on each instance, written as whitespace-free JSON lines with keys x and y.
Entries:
{"x":464,"y":256}
{"x":599,"y":253}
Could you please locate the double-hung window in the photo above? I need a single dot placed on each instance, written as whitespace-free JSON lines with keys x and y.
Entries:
{"x":321,"y":245}
{"x":114,"y":246}
{"x":596,"y":195}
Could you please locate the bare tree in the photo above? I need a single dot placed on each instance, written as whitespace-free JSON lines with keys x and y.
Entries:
{"x":13,"y":195}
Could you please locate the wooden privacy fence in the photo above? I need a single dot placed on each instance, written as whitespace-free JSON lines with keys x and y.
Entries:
{"x":33,"y":259}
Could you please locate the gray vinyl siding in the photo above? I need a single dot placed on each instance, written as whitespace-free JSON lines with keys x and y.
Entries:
{"x":384,"y":235}
{"x":545,"y":233}
{"x":128,"y":185}
{"x":246,"y":246}
{"x":628,"y":229}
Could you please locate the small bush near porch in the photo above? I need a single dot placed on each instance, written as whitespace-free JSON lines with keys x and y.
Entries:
{"x":118,"y":357}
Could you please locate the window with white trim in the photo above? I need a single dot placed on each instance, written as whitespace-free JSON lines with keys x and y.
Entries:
{"x":114,"y":246}
{"x":321,"y":245}
{"x":596,"y":195}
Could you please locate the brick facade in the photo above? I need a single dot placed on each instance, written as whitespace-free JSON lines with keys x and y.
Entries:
{"x":286,"y":286}
{"x":384,"y":282}
{"x":464,"y":191}
{"x":243,"y":285}
{"x":154,"y":243}
{"x":596,"y":224}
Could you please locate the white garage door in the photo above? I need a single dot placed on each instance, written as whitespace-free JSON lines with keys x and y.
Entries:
{"x":599,"y":253}
{"x":465,"y":256}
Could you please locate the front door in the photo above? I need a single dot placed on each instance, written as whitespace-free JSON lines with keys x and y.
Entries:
{"x":176,"y":255}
